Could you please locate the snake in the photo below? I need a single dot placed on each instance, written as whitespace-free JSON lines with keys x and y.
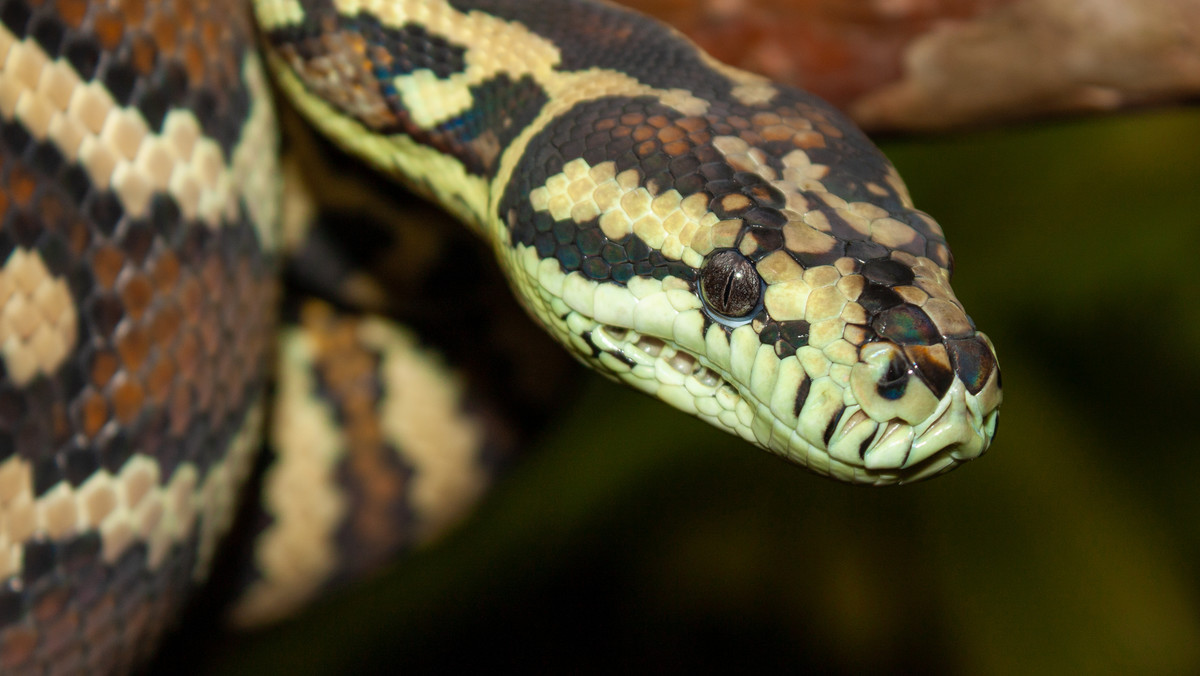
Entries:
{"x":733,"y":247}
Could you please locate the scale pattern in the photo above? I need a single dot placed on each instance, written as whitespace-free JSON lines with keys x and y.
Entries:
{"x":390,"y":419}
{"x":137,"y":172}
{"x":735,"y":248}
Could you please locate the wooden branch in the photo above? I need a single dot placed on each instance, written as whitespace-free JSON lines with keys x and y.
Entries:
{"x":933,"y":64}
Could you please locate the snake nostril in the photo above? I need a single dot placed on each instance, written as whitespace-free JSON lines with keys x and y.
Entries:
{"x":894,"y":381}
{"x":886,"y":384}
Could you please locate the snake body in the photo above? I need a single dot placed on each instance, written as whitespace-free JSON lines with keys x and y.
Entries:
{"x":733,"y":247}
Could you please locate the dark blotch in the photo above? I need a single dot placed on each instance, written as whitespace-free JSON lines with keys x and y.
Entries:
{"x":862,"y":448}
{"x":40,"y":558}
{"x":765,"y":217}
{"x":48,"y":32}
{"x":716,"y":171}
{"x":795,"y":332}
{"x":120,"y":80}
{"x":765,"y":242}
{"x":593,"y":350}
{"x":769,"y":334}
{"x":749,"y":179}
{"x":894,"y":382}
{"x":46,"y":475}
{"x":46,"y":158}
{"x":12,"y":606}
{"x":906,"y":325}
{"x":624,"y":359}
{"x":973,"y":362}
{"x":622,"y":273}
{"x":766,"y":196}
{"x":801,"y":396}
{"x":833,"y":423}
{"x":887,"y":272}
{"x":596,"y":268}
{"x":863,"y":250}
{"x":933,"y":371}
{"x":106,"y":211}
{"x":15,"y":15}
{"x":81,"y":464}
{"x":568,"y":257}
{"x":876,"y":299}
{"x":591,"y":242}
{"x":80,"y":552}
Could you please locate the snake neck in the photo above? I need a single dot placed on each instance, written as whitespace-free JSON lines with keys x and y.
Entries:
{"x":446,"y":97}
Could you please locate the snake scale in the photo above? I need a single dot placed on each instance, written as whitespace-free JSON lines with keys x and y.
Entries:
{"x":733,"y":247}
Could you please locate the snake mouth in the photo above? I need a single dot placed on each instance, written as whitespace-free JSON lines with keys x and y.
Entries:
{"x":853,"y":443}
{"x":676,"y":376}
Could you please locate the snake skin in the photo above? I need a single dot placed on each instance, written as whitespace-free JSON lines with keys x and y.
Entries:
{"x":733,"y":247}
{"x":389,"y":419}
{"x":138,"y":172}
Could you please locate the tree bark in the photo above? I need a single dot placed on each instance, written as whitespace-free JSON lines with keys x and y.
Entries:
{"x":915,"y":65}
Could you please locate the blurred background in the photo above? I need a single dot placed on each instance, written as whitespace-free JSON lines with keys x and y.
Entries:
{"x":634,"y":538}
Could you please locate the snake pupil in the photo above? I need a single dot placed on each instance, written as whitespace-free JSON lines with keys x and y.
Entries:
{"x":729,"y":284}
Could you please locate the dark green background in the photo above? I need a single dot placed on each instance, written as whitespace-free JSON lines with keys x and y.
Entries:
{"x":634,"y":538}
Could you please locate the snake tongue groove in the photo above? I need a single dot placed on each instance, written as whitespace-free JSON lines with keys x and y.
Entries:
{"x":735,"y":248}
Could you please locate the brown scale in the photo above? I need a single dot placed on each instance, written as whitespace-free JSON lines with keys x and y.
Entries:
{"x":350,"y":372}
{"x":198,"y":36}
{"x":174,"y":331}
{"x":73,"y":12}
{"x":151,"y":342}
{"x":800,"y":126}
{"x":410,"y":273}
{"x":339,"y":75}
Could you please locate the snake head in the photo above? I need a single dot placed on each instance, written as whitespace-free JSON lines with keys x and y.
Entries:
{"x":882,"y":379}
{"x":891,"y":379}
{"x":769,"y":275}
{"x":733,"y":247}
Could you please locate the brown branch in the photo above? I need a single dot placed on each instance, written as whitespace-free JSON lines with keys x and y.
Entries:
{"x":928,"y":64}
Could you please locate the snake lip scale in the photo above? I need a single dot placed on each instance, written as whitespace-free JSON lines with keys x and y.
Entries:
{"x":953,"y":433}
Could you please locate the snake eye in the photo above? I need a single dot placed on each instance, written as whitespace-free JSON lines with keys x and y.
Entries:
{"x":729,"y":285}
